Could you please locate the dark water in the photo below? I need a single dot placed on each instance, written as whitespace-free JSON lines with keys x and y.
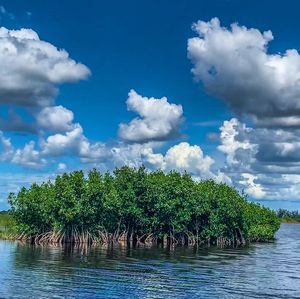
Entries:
{"x":258,"y":271}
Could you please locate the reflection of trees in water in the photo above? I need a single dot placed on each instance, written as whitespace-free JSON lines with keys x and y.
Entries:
{"x":87,"y":271}
{"x":69,"y":258}
{"x":146,"y":270}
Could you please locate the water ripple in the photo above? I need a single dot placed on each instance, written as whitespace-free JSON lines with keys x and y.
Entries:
{"x":257,"y":271}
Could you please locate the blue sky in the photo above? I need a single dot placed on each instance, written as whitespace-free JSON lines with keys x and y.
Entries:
{"x":60,"y":113}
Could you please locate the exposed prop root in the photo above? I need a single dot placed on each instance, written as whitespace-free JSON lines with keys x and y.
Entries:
{"x":75,"y":236}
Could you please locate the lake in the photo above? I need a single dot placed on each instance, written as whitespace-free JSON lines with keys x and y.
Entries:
{"x":269,"y":270}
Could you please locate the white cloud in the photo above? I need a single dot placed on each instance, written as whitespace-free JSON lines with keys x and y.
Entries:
{"x":252,"y":188}
{"x":56,"y":119}
{"x":126,"y":154}
{"x":73,"y":142}
{"x":231,"y":142}
{"x":28,"y":157}
{"x":6,"y":147}
{"x":31,"y":68}
{"x":259,"y":148}
{"x":184,"y":157}
{"x":234,"y":65}
{"x":61,"y":144}
{"x":159,"y":120}
{"x":181,"y":157}
{"x":262,"y":161}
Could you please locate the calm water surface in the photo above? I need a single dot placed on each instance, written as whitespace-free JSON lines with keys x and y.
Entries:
{"x":258,"y":271}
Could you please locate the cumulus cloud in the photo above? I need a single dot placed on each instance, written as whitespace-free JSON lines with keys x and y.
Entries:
{"x":251,"y":187}
{"x":181,"y":157}
{"x":6,"y":148}
{"x":235,"y":66}
{"x":60,"y":144}
{"x":264,"y":148}
{"x":73,"y":142}
{"x":31,"y":69}
{"x":185,"y":157}
{"x":260,"y":160}
{"x":235,"y":143}
{"x":121,"y":153}
{"x":56,"y":119}
{"x":28,"y":157}
{"x":158,"y":119}
{"x":240,"y":144}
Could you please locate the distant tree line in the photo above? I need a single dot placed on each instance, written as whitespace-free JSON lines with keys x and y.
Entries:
{"x":288,"y":216}
{"x":135,"y":206}
{"x":6,"y":222}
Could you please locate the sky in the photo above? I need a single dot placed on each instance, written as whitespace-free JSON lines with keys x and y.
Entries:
{"x":207,"y":87}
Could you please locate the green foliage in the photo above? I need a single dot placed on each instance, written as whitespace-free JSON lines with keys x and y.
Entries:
{"x":6,"y":220}
{"x":288,"y":216}
{"x":133,"y":204}
{"x":7,"y":225}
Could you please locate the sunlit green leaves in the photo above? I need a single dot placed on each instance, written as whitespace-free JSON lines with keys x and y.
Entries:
{"x":135,"y":202}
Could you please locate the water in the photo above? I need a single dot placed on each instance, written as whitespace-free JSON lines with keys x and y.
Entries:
{"x":257,"y":271}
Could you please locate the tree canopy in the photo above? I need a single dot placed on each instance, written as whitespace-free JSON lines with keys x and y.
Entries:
{"x":288,"y":216}
{"x":137,"y":206}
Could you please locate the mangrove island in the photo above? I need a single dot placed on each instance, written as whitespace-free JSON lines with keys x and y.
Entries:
{"x":136,"y":206}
